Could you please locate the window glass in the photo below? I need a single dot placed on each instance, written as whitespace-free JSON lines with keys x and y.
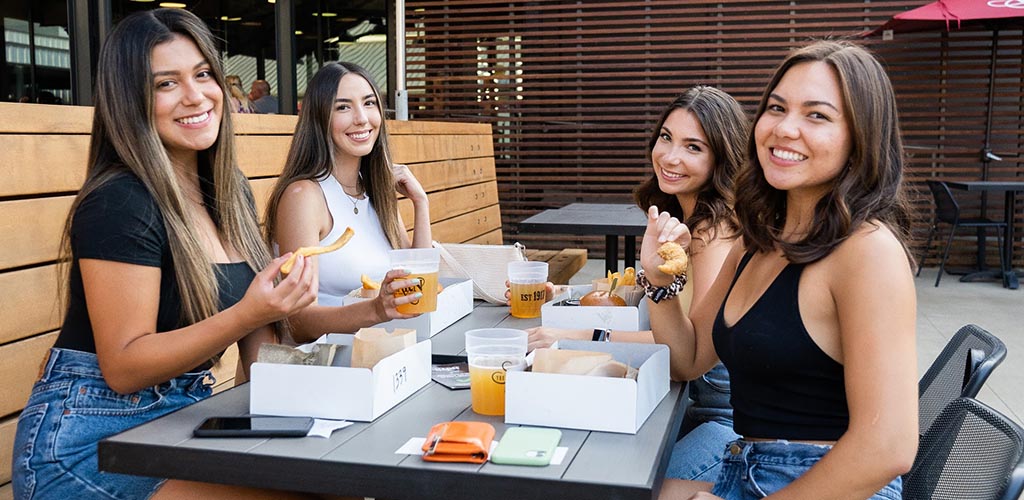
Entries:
{"x":36,"y":53}
{"x":245,"y":29}
{"x":332,"y":30}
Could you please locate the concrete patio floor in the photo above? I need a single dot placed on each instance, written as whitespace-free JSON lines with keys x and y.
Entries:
{"x":940,"y":313}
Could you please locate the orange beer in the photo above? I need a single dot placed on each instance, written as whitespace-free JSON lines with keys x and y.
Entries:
{"x":487,"y":383}
{"x":526,"y":299}
{"x":426,"y":283}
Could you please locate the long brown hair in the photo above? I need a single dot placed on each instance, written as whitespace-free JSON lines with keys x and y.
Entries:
{"x":726,"y":127}
{"x":311,"y":156}
{"x":124,"y":139}
{"x":870,"y":188}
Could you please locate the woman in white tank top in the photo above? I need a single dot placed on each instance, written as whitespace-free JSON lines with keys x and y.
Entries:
{"x":339,"y":174}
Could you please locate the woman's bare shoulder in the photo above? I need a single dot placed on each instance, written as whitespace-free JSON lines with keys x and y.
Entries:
{"x":873,"y":249}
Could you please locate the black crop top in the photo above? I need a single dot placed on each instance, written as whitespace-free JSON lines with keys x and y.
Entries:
{"x":783,"y":385}
{"x":121,"y":222}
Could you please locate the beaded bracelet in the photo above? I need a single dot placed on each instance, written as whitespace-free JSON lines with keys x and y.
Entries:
{"x":659,"y":293}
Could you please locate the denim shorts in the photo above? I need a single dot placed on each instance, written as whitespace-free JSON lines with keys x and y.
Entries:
{"x":753,"y":470}
{"x":70,"y":410}
{"x":710,"y":399}
{"x":698,"y":456}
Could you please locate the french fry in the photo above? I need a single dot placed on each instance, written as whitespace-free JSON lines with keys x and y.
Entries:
{"x":628,"y":277}
{"x":311,"y":251}
{"x":368,"y":283}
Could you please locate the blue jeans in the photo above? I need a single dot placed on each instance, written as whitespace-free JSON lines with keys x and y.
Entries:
{"x":707,"y":428}
{"x":70,"y":410}
{"x":754,"y":470}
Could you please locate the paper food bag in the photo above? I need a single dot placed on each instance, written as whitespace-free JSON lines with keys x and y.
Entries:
{"x":569,"y":362}
{"x":315,"y":355}
{"x":371,"y":345}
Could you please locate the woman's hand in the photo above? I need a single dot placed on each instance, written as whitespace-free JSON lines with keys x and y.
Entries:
{"x":264,"y":302}
{"x":661,"y":227}
{"x":406,"y":183}
{"x":543,"y":336}
{"x":386,"y":304}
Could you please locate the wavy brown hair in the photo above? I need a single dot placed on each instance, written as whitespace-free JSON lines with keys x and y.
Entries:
{"x":726,"y":127}
{"x":125,"y":139}
{"x":868,"y":190}
{"x":311,"y":155}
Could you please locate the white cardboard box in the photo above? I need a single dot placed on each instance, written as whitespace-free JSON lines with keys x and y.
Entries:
{"x":591,"y":402}
{"x":339,"y":392}
{"x":558,"y":315}
{"x":454,"y":302}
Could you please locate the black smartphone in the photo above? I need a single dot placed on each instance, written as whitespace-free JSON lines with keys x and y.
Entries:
{"x":254,"y":426}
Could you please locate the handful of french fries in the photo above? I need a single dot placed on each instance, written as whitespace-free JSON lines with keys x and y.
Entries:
{"x":625,"y":285}
{"x":626,"y":278}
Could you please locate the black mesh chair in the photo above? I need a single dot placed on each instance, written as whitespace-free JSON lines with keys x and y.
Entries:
{"x":947,"y":210}
{"x":960,"y":370}
{"x":972,"y":452}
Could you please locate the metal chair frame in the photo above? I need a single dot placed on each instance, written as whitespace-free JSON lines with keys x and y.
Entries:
{"x":947,"y":210}
{"x":972,"y":451}
{"x":960,"y":370}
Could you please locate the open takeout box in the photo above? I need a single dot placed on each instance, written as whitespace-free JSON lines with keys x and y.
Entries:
{"x":339,"y":392}
{"x":557,"y":314}
{"x":591,"y":402}
{"x":454,"y":302}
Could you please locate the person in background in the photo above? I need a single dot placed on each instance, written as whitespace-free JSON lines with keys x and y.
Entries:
{"x":822,"y":361}
{"x":239,"y":101}
{"x":166,"y":267}
{"x":262,"y":101}
{"x":339,"y":174}
{"x":695,"y":150}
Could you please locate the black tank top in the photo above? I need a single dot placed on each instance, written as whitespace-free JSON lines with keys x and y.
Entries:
{"x":783,"y":385}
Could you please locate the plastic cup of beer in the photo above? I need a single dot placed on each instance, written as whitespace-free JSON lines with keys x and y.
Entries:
{"x":526,"y":287}
{"x":492,"y":352}
{"x":422,"y":266}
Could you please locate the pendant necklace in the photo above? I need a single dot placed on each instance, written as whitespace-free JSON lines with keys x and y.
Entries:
{"x":354,"y":200}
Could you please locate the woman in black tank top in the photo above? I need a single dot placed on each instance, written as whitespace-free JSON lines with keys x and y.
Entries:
{"x":823,"y":364}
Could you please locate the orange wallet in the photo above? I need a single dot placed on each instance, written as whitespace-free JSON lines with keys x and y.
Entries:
{"x":459,"y":442}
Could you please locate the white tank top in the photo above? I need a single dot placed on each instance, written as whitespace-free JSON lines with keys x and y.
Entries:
{"x":366,"y":253}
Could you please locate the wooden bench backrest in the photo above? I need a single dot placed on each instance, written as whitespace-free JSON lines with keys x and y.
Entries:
{"x":42,"y":165}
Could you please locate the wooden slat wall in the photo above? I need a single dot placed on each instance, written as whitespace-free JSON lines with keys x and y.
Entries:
{"x":43,"y":165}
{"x":573,"y":88}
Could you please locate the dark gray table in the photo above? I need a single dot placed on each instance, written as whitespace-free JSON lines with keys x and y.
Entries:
{"x":360,"y":460}
{"x":608,"y":219}
{"x":1010,"y":189}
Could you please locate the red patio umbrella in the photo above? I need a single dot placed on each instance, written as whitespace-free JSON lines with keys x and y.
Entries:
{"x":957,"y":14}
{"x":952,"y":15}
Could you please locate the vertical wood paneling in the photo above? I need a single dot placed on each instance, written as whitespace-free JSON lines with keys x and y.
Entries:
{"x":573,"y":88}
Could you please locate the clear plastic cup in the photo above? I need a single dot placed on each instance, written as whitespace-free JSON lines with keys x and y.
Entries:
{"x":526,"y":287}
{"x":422,"y":266}
{"x":491,"y":353}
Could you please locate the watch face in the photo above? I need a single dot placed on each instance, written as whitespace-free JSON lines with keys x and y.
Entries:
{"x":599,"y":334}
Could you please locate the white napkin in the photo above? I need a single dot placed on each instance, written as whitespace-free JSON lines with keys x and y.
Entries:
{"x":323,"y":427}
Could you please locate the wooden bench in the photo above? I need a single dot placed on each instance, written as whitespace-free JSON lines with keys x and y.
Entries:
{"x":43,"y":165}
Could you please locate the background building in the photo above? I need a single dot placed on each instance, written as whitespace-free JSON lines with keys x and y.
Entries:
{"x":50,"y":46}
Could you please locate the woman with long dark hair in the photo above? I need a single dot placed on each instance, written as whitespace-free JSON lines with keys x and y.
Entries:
{"x":694,"y":150}
{"x":166,"y":266}
{"x":339,"y":174}
{"x":822,"y":361}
